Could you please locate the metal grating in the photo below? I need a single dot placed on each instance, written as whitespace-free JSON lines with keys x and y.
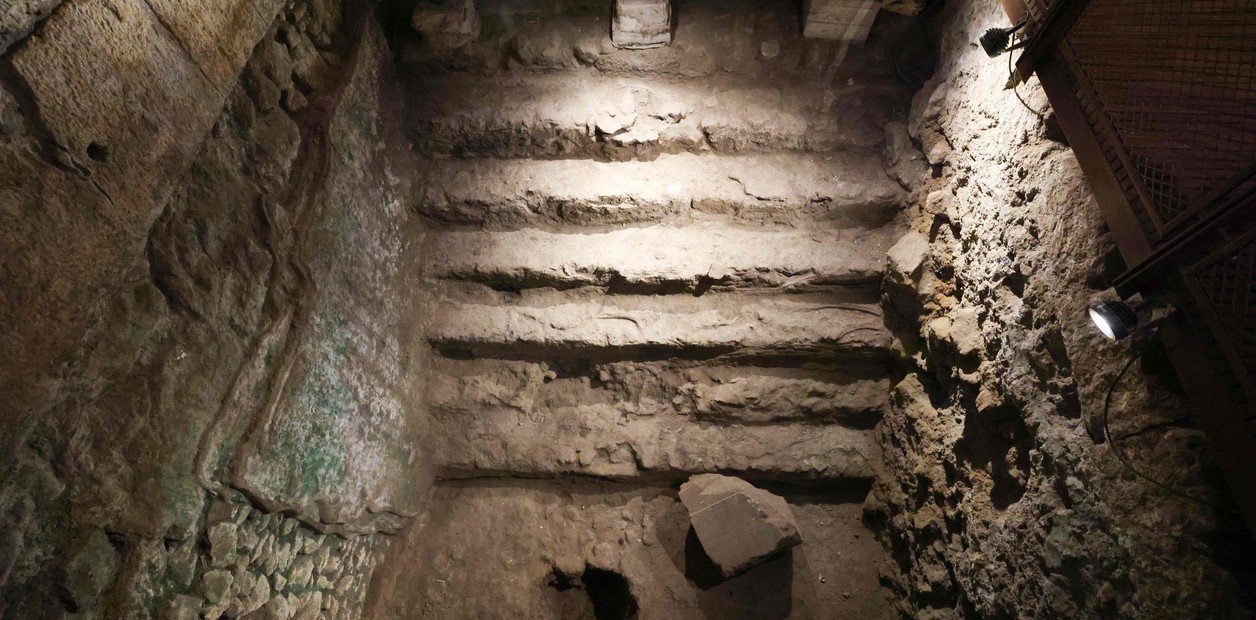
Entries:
{"x":1225,"y":284}
{"x":1175,"y":83}
{"x":1036,"y":18}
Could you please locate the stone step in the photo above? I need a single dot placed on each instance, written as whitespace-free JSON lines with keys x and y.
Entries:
{"x":855,"y":398}
{"x":573,"y":114}
{"x":600,"y":440}
{"x":552,"y":324}
{"x":781,"y":188}
{"x":662,"y":259}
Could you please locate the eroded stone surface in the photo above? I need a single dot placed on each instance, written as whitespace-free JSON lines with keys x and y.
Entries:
{"x":198,"y":258}
{"x":998,"y":495}
{"x":739,"y":525}
{"x":763,"y":190}
{"x":548,"y":114}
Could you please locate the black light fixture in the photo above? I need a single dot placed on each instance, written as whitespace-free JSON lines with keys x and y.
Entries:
{"x":995,"y":41}
{"x":1116,"y":319}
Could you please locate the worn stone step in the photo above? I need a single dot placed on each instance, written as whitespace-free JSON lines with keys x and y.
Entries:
{"x":600,"y":440}
{"x":744,"y":395}
{"x":663,"y":259}
{"x":573,"y":114}
{"x":643,"y":327}
{"x":779,"y":188}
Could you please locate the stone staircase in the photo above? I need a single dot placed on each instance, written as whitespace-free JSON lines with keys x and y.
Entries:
{"x":639,"y":278}
{"x":593,"y":312}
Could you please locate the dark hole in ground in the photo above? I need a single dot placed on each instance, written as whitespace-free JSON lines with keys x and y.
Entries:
{"x":600,"y":594}
{"x":611,"y":596}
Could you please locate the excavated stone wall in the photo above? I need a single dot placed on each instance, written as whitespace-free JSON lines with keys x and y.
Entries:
{"x":287,"y":332}
{"x":207,"y":381}
{"x":999,"y":497}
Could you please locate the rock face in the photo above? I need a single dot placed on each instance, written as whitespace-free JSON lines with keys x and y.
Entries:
{"x":998,"y":494}
{"x":641,"y":24}
{"x":213,"y":424}
{"x":739,"y":525}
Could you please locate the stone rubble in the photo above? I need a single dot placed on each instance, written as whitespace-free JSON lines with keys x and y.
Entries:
{"x":740,"y":526}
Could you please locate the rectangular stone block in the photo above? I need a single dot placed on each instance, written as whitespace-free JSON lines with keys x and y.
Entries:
{"x":839,"y":20}
{"x":446,"y":24}
{"x":641,"y":24}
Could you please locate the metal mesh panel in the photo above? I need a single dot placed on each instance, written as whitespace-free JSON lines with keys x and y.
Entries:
{"x":1038,"y":11}
{"x":1176,"y":81}
{"x":1226,"y":284}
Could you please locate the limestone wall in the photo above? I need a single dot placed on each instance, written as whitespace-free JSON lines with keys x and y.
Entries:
{"x":999,"y":497}
{"x":206,"y":383}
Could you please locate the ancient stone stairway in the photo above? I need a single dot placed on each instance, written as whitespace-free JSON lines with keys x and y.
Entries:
{"x":634,"y":277}
{"x":647,"y":299}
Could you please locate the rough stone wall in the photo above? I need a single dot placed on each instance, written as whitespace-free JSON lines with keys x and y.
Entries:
{"x":104,"y":105}
{"x":999,"y":497}
{"x":228,"y":372}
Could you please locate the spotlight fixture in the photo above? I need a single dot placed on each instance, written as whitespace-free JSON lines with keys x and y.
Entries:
{"x":995,"y":41}
{"x":1116,"y":319}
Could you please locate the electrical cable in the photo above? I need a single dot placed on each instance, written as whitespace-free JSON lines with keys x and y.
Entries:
{"x":1120,"y":456}
{"x":1014,"y":77}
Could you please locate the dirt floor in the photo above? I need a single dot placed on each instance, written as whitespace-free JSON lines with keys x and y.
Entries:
{"x":579,"y":549}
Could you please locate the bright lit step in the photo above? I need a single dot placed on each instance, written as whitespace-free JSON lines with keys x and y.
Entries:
{"x":786,"y":188}
{"x":570,"y":114}
{"x":671,"y":325}
{"x":662,"y":259}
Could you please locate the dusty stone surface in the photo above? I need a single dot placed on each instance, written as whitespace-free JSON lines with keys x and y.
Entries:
{"x":640,"y":117}
{"x":548,"y":322}
{"x":600,"y":441}
{"x":639,"y":532}
{"x":769,"y":190}
{"x":84,"y":175}
{"x":701,"y":257}
{"x":999,"y":497}
{"x":740,"y":526}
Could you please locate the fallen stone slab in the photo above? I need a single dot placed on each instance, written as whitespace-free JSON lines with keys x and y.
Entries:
{"x":738,"y":524}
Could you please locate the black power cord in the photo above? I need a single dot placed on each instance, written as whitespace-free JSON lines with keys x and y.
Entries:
{"x":1120,"y":456}
{"x":1015,"y":79}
